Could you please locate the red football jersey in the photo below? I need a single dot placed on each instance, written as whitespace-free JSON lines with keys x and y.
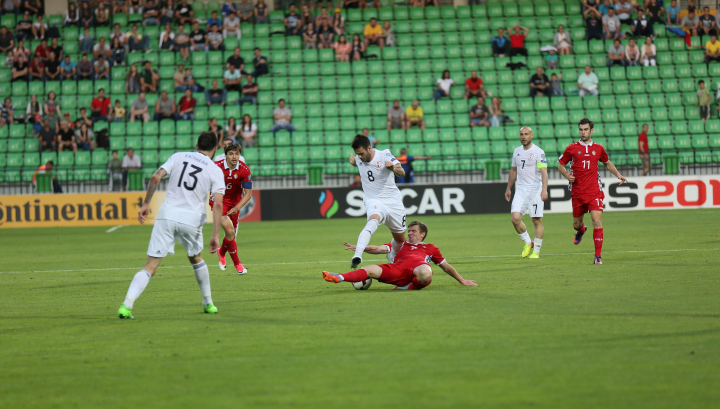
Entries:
{"x":585,"y":158}
{"x":417,"y":254}
{"x":236,"y":181}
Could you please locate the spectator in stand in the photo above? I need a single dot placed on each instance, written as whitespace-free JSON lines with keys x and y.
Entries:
{"x":373,"y":34}
{"x":474,"y":86}
{"x":250,"y":91}
{"x":673,"y":14}
{"x":182,"y":43}
{"x":231,"y":26}
{"x":114,"y":169}
{"x":32,"y":6}
{"x":34,"y":110}
{"x":232,"y":129}
{"x":342,"y":49}
{"x":216,"y":129}
{"x":227,"y":8}
{"x":130,"y":162}
{"x":323,"y":16}
{"x":167,"y":39}
{"x":357,"y":180}
{"x":623,"y":11}
{"x":707,"y":23}
{"x":118,"y":52}
{"x":117,"y":33}
{"x":57,"y":49}
{"x":120,"y":6}
{"x":358,"y":48}
{"x":84,"y":138}
{"x":47,"y":136}
{"x":139,"y":109}
{"x":85,"y":69}
{"x":184,"y":80}
{"x":118,"y":112}
{"x":414,"y":116}
{"x":517,"y":40}
{"x":551,"y":60}
{"x":691,"y":23}
{"x":654,"y":12}
{"x":588,"y":82}
{"x":20,"y":71}
{"x":21,"y":52}
{"x":632,"y":54}
{"x":562,"y":41}
{"x":605,"y":7}
{"x":248,"y":132}
{"x":102,"y":49}
{"x":184,"y":13}
{"x":23,"y":28}
{"x":7,"y":41}
{"x":555,"y":87}
{"x":53,"y":118}
{"x":373,"y":141}
{"x":43,"y":51}
{"x":292,"y":22}
{"x":232,"y":78}
{"x":641,"y":27}
{"x":71,"y":123}
{"x":443,"y":86}
{"x":237,"y":61}
{"x":133,"y":84}
{"x":72,"y":16}
{"x":260,"y":63}
{"x":137,"y":41}
{"x":479,"y":114}
{"x":704,"y":99}
{"x":648,"y":52}
{"x":644,"y":150}
{"x":186,"y":106}
{"x":261,"y":12}
{"x":593,"y":25}
{"x":148,"y":79}
{"x":214,"y":20}
{"x":425,"y":3}
{"x":102,"y":15}
{"x":246,"y":11}
{"x":611,"y":26}
{"x":51,"y":102}
{"x":215,"y":95}
{"x":282,"y":116}
{"x":616,"y":54}
{"x":325,"y":36}
{"x":7,"y":113}
{"x":136,"y":7}
{"x":37,"y":69}
{"x":500,"y":44}
{"x":396,"y":116}
{"x":39,"y":28}
{"x":198,"y":38}
{"x":306,"y":16}
{"x":52,"y":69}
{"x":165,"y":108}
{"x":351,"y":4}
{"x":406,"y":163}
{"x":102,"y":68}
{"x":370,"y":4}
{"x":100,"y":107}
{"x":215,"y":40}
{"x":151,"y":14}
{"x":84,"y":119}
{"x":65,"y":138}
{"x":86,"y":41}
{"x":539,"y":84}
{"x":86,"y":14}
{"x":388,"y":35}
{"x":339,"y":23}
{"x":712,"y":50}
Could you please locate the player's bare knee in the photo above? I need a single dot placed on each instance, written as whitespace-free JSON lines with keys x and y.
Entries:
{"x":195,"y":259}
{"x":516,"y":218}
{"x":423,"y":273}
{"x":537,"y":221}
{"x":597,"y":223}
{"x":374,"y":217}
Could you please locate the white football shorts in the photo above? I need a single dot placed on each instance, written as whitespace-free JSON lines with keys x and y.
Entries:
{"x":166,"y":232}
{"x":391,"y":215}
{"x":528,"y":201}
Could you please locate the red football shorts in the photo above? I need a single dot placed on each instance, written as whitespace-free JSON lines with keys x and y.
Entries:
{"x":226,"y":209}
{"x":397,"y":274}
{"x":582,"y":205}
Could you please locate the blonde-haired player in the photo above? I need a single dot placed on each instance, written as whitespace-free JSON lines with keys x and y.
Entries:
{"x":529,"y":168}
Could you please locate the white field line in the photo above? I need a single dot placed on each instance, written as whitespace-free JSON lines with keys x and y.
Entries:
{"x":112,"y":229}
{"x":345,"y":261}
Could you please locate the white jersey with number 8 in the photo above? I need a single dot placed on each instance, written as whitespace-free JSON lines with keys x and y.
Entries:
{"x":378,"y":182}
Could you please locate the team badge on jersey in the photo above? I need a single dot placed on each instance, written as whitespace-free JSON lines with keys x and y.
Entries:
{"x":530,"y":156}
{"x":377,"y":164}
{"x":235,"y":176}
{"x":579,"y":152}
{"x":593,"y":152}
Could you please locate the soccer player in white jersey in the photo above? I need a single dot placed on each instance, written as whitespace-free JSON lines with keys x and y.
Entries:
{"x":182,"y":216}
{"x":529,"y":167}
{"x":382,"y":199}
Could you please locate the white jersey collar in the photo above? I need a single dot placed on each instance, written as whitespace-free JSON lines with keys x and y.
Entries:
{"x":225,"y":165}
{"x":586,"y":144}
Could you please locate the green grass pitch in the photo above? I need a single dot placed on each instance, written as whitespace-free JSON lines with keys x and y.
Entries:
{"x":640,"y":331}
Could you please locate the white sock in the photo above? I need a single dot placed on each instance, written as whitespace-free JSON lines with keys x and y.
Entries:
{"x":396,"y":246}
{"x":137,"y":286}
{"x":525,"y":237}
{"x":202,"y":275}
{"x":365,"y":236}
{"x":538,"y":244}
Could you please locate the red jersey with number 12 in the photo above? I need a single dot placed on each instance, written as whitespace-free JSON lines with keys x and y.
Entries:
{"x":236,"y":180}
{"x":417,"y":254}
{"x":585,"y":158}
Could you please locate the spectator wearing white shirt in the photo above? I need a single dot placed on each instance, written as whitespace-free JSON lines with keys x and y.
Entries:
{"x":248,"y":132}
{"x":588,"y":82}
{"x":231,"y":25}
{"x":648,"y":53}
{"x":130,"y":162}
{"x":444,"y":84}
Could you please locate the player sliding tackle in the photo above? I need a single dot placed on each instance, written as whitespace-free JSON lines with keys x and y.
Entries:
{"x":381,"y":196}
{"x":409,"y":271}
{"x":181,"y":217}
{"x":529,"y":167}
{"x":585,"y":184}
{"x":237,"y":194}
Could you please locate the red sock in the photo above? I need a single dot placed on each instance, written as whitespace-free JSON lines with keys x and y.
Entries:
{"x":355,"y":276}
{"x":232,"y":249}
{"x":598,"y":239}
{"x":582,"y":228}
{"x":223,"y":248}
{"x":417,"y":285}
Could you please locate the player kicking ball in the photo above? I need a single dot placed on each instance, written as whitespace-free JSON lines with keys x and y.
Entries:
{"x":409,"y":271}
{"x":529,"y":168}
{"x":383,"y":202}
{"x":181,"y":217}
{"x":238,"y":191}
{"x":585,"y":184}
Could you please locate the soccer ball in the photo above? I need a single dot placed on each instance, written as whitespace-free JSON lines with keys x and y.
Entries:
{"x":363,"y":285}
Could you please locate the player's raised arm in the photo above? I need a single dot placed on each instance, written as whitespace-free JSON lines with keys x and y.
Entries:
{"x":609,"y":165}
{"x":511,"y":182}
{"x":396,"y":168}
{"x":152,"y":186}
{"x":450,"y":270}
{"x":369,"y":249}
{"x":352,"y":160}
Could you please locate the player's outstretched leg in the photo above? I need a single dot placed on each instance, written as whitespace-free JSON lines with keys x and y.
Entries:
{"x":522,"y":232}
{"x":202,"y":275}
{"x":351,"y":277}
{"x":364,"y":240}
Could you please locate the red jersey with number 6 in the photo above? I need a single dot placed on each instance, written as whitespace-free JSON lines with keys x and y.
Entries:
{"x":585,"y":158}
{"x":236,"y":181}
{"x":417,"y":254}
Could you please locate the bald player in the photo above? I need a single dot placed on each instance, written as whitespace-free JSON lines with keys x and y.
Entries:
{"x":529,"y":168}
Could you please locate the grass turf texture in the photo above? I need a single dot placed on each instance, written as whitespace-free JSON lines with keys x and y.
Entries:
{"x":640,"y":331}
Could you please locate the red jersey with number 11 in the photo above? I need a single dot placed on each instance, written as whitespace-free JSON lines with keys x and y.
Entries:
{"x":585,"y":158}
{"x":236,"y":181}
